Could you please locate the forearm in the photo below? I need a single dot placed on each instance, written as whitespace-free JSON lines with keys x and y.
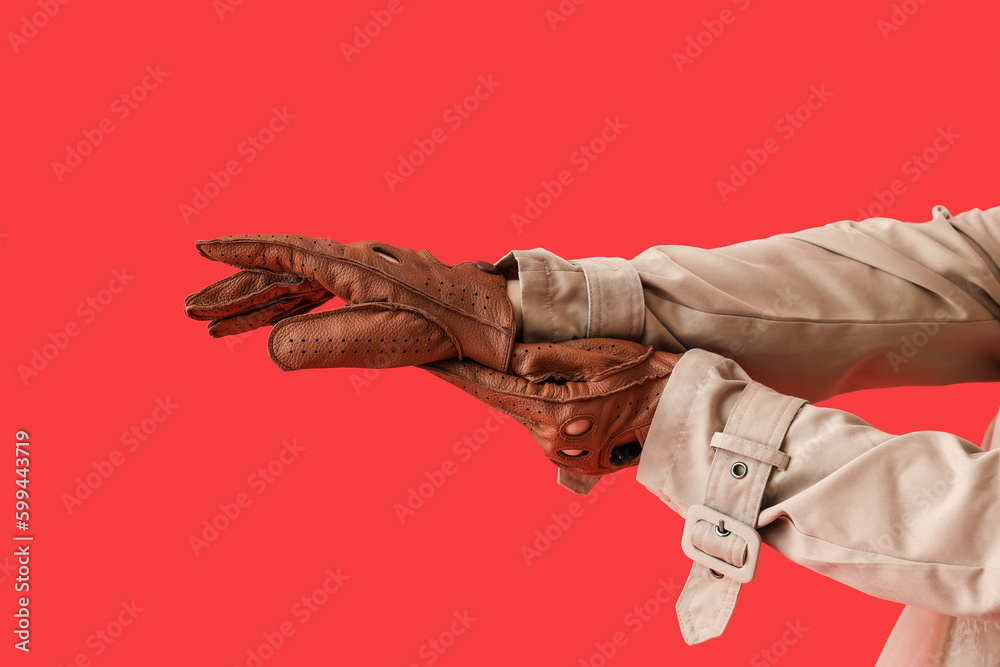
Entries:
{"x":898,"y":517}
{"x":848,"y":306}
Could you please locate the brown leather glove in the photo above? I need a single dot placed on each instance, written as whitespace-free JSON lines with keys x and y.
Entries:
{"x":404,"y":307}
{"x":613,"y":386}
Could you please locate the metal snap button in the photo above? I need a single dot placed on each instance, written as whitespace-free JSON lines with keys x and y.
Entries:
{"x":739,"y":470}
{"x":487,"y":267}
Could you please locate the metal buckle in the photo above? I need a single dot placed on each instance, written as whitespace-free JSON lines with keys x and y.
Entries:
{"x":742,"y":574}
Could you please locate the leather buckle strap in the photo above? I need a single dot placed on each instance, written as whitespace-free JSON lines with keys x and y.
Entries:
{"x":743,"y":456}
{"x":741,"y":573}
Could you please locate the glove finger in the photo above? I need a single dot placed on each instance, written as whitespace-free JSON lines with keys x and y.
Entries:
{"x":574,"y":370}
{"x":356,"y":272}
{"x":581,"y":360}
{"x":555,"y":372}
{"x":247,"y":290}
{"x":266,"y":315}
{"x":468,"y":299}
{"x":371,"y":335}
{"x":533,"y":405}
{"x":585,"y":427}
{"x":470,"y":376}
{"x":251,"y":299}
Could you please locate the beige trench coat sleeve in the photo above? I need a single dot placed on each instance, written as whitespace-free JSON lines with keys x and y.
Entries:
{"x":897,"y":516}
{"x":852,"y":305}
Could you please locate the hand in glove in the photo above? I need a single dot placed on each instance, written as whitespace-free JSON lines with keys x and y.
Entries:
{"x":404,"y":307}
{"x":588,"y":403}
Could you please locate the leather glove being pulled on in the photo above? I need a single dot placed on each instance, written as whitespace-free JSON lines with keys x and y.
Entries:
{"x":404,"y":307}
{"x":588,"y":402}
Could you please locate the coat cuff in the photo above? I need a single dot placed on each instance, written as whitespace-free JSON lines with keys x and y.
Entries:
{"x":902,"y":518}
{"x":599,"y":297}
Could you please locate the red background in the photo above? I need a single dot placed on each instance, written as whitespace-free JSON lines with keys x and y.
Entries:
{"x":369,"y":439}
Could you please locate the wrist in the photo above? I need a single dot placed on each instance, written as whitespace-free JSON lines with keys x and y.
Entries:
{"x":514,"y":294}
